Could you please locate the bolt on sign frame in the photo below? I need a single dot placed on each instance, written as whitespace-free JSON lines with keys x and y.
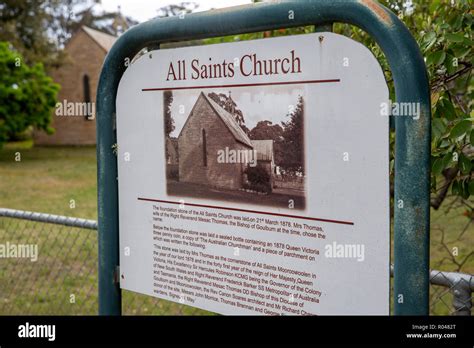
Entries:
{"x":412,"y":137}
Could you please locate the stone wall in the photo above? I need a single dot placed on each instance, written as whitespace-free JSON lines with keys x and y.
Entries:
{"x":190,"y":148}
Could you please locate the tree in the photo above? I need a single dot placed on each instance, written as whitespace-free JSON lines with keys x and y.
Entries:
{"x":70,"y":15}
{"x":24,"y":24}
{"x":293,"y":140}
{"x":265,"y":130}
{"x":443,"y":30}
{"x":39,"y":29}
{"x":229,"y":105}
{"x":177,"y":9}
{"x":27,"y":95}
{"x":168,"y":118}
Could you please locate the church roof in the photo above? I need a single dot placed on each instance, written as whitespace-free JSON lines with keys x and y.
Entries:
{"x":104,"y":40}
{"x":229,"y":121}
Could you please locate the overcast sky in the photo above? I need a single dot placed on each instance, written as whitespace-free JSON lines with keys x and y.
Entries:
{"x":143,"y":10}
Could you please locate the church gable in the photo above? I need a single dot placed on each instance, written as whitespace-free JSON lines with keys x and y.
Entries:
{"x":201,"y":139}
{"x":230,"y":123}
{"x":202,"y":116}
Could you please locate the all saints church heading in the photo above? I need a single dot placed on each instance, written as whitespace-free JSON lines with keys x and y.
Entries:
{"x":247,"y":65}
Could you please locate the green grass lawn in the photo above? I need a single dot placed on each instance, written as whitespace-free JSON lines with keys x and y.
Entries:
{"x":46,"y":179}
{"x":64,"y":279}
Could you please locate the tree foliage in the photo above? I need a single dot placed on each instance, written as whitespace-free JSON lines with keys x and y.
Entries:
{"x":27,"y":95}
{"x":229,"y":105}
{"x":177,"y":9}
{"x":443,"y":30}
{"x":168,"y":117}
{"x":35,"y":33}
{"x":288,"y":139}
{"x":266,"y":130}
{"x":293,"y":140}
{"x":70,"y":15}
{"x":24,"y":23}
{"x":259,"y":179}
{"x":39,"y":29}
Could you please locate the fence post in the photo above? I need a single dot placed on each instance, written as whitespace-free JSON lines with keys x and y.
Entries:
{"x":412,"y":153}
{"x":462,"y":301}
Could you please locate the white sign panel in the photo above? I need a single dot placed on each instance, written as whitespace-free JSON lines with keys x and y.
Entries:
{"x":253,"y":177}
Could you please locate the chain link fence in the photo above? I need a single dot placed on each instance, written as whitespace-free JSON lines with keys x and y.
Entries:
{"x":50,"y":268}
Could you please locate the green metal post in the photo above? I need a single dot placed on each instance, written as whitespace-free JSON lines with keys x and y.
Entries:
{"x":412,"y":162}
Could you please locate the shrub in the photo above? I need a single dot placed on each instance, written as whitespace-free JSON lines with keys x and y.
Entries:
{"x":27,"y":95}
{"x":259,"y":179}
{"x":172,"y":172}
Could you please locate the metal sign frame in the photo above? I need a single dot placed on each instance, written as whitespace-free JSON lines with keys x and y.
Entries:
{"x":412,"y":142}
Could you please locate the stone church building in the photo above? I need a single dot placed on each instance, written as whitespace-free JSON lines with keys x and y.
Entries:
{"x":78,"y":78}
{"x":210,"y":129}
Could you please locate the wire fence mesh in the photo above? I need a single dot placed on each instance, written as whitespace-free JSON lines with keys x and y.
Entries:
{"x":451,"y":291}
{"x":49,"y":267}
{"x":60,"y":279}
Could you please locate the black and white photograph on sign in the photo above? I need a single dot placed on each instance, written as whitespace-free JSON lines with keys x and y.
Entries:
{"x":243,"y":145}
